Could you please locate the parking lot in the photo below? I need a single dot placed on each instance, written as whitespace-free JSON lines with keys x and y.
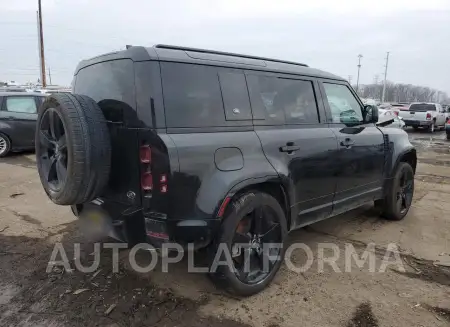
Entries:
{"x":31,"y":224}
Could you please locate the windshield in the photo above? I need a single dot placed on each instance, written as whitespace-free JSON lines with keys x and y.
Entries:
{"x":422,"y":107}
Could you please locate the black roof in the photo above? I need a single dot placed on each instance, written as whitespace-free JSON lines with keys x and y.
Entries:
{"x":209,"y":57}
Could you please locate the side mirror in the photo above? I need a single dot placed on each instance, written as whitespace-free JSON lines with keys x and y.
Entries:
{"x":370,"y":113}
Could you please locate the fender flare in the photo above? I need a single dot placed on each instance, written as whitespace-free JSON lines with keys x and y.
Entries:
{"x":398,"y":159}
{"x":400,"y":156}
{"x":257,"y":182}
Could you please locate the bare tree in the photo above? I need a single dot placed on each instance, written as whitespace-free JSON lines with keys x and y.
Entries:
{"x":403,"y":93}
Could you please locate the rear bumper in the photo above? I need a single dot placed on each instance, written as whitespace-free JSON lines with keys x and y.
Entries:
{"x":133,"y":226}
{"x":417,"y":123}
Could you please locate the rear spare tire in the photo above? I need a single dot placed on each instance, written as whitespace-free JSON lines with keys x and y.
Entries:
{"x":73,"y":150}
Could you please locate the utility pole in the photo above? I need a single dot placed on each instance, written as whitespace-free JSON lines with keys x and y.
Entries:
{"x":359,"y":68}
{"x":41,"y":46}
{"x":49,"y":76}
{"x":385,"y":76}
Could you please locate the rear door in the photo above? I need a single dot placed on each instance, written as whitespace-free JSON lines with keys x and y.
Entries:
{"x":20,"y":113}
{"x":290,"y":122}
{"x":360,"y":161}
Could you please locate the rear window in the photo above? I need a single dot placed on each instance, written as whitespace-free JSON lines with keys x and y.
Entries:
{"x":422,"y":107}
{"x":109,"y":80}
{"x":203,"y":96}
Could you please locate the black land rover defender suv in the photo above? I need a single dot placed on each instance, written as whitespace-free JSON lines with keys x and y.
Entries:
{"x":186,"y":145}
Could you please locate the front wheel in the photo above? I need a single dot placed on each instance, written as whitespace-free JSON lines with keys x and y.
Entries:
{"x":250,"y":246}
{"x":400,"y":193}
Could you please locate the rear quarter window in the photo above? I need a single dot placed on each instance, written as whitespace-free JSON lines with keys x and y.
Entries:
{"x":21,"y":104}
{"x":204,"y":96}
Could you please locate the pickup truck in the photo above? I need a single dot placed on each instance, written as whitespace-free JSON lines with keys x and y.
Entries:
{"x":424,"y":115}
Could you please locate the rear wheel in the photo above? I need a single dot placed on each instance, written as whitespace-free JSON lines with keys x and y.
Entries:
{"x":5,"y":145}
{"x":431,"y":128}
{"x":399,"y":197}
{"x":253,"y":234}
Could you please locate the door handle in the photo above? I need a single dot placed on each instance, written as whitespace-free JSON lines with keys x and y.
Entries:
{"x":348,"y":143}
{"x":289,"y":148}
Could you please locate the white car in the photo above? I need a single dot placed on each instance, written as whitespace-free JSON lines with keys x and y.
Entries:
{"x":428,"y":115}
{"x":384,"y":115}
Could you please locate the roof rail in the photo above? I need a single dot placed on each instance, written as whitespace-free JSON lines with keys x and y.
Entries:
{"x":174,"y":47}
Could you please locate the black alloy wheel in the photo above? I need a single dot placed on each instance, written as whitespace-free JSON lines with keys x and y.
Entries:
{"x":53,"y":153}
{"x":254,"y":231}
{"x":405,"y":190}
{"x":398,"y":200}
{"x":251,"y":251}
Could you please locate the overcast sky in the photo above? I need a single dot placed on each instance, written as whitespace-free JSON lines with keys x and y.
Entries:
{"x":324,"y":34}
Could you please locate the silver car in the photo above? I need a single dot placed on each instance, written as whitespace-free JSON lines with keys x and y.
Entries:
{"x":384,"y":115}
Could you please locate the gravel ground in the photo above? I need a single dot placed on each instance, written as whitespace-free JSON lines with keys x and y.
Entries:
{"x":418,"y":295}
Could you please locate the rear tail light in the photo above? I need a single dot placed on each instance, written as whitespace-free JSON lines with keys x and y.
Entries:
{"x":145,"y":154}
{"x":147,"y":181}
{"x":161,"y":180}
{"x":428,"y":116}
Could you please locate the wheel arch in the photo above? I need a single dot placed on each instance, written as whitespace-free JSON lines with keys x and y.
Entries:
{"x":409,"y":156}
{"x":271,"y":185}
{"x":8,"y":137}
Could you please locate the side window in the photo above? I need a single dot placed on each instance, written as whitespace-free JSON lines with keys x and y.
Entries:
{"x":279,"y":100}
{"x":192,"y":96}
{"x":297,"y":100}
{"x":235,"y":96}
{"x":343,"y":104}
{"x":21,"y":104}
{"x":263,"y":90}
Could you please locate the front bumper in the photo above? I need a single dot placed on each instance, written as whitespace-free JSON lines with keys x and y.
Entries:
{"x":135,"y":226}
{"x":417,"y":123}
